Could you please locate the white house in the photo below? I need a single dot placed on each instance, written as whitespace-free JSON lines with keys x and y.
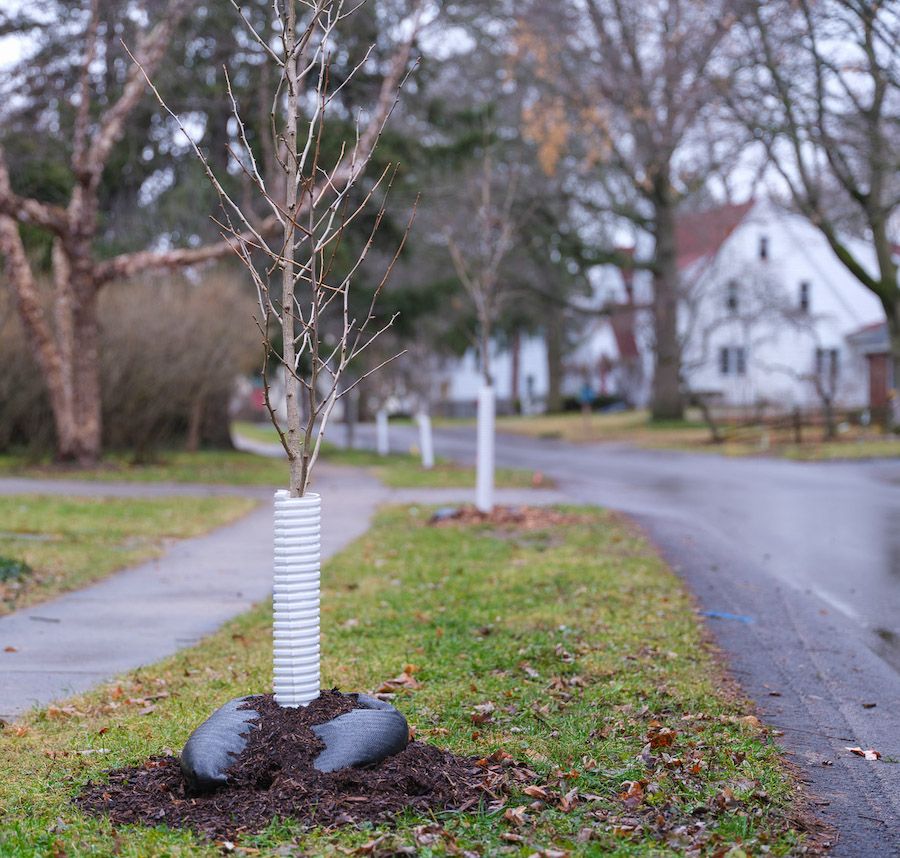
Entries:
{"x":769,"y":310}
{"x":769,"y":315}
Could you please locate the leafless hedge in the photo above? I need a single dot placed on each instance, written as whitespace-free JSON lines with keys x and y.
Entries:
{"x":171,"y":351}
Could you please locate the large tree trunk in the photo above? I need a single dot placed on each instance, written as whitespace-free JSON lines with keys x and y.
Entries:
{"x":666,"y":399}
{"x":86,"y":382}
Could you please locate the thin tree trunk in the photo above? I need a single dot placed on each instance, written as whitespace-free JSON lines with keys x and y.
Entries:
{"x":195,"y":425}
{"x":666,"y":402}
{"x":292,"y":434}
{"x":514,"y":394}
{"x":554,"y":360}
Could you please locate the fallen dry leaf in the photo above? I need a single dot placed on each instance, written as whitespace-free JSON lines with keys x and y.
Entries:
{"x":633,"y":795}
{"x":482,"y":713}
{"x":870,"y":754}
{"x":659,"y":736}
{"x":528,"y":670}
{"x":536,"y":792}
{"x":64,"y":712}
{"x":516,"y":815}
{"x":568,"y":801}
{"x":404,"y":682}
{"x":510,"y":837}
{"x":10,"y":649}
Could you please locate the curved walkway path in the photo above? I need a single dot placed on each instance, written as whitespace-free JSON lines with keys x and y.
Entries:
{"x":145,"y":613}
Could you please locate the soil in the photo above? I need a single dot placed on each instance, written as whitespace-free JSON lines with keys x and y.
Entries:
{"x":512,"y":517}
{"x":273,"y":777}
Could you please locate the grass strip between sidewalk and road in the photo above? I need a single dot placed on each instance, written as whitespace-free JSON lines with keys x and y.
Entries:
{"x":68,"y":542}
{"x":574,"y":649}
{"x":232,"y":467}
{"x":636,"y":428}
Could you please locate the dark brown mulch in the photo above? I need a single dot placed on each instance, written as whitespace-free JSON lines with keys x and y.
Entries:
{"x":273,"y":777}
{"x":515,"y":517}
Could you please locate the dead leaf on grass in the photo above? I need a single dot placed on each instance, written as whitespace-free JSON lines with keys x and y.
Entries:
{"x":482,"y":713}
{"x":64,"y":712}
{"x":569,"y":800}
{"x":404,"y":682}
{"x":536,"y":792}
{"x":633,"y":795}
{"x":516,"y":815}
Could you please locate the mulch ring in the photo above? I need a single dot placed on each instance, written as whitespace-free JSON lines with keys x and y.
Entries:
{"x":274,"y":778}
{"x":511,"y":517}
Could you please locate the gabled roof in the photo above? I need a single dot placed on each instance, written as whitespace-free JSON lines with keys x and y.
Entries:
{"x":871,"y":339}
{"x":701,"y":234}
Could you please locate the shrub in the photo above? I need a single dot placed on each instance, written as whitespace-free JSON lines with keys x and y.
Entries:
{"x":171,"y":350}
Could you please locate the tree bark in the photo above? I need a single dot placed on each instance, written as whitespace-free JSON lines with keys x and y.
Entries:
{"x":516,"y":360}
{"x":88,"y":438}
{"x":893,"y":416}
{"x":554,"y":335}
{"x":666,"y":399}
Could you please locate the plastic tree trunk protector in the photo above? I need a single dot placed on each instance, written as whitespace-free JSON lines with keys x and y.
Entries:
{"x":484,"y":461}
{"x":426,"y":442}
{"x":296,"y":598}
{"x":381,"y":432}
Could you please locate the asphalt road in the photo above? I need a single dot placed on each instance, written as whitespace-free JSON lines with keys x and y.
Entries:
{"x":807,"y":555}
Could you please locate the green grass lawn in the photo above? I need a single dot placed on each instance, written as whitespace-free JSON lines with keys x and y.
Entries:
{"x":232,"y":467}
{"x":69,"y":542}
{"x":403,"y":470}
{"x":635,"y":427}
{"x":580,"y":637}
{"x":222,"y":467}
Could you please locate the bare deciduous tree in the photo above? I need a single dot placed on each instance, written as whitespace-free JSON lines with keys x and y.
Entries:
{"x":302,"y":289}
{"x":819,"y":89}
{"x":66,"y":339}
{"x":479,"y":252}
{"x":628,"y":95}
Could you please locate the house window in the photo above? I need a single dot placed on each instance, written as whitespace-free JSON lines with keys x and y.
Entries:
{"x":804,"y":296}
{"x":731,"y":296}
{"x":763,"y":247}
{"x":732,"y":360}
{"x":827,"y":363}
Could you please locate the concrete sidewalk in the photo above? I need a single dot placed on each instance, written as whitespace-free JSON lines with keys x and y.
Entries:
{"x":143,"y":614}
{"x":148,"y":612}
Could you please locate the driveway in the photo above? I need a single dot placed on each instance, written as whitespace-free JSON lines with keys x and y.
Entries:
{"x":803,"y":561}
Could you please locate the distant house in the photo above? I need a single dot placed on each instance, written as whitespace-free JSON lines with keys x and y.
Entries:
{"x":768,"y":315}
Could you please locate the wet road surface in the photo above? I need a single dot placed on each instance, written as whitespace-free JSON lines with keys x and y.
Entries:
{"x":809,"y":553}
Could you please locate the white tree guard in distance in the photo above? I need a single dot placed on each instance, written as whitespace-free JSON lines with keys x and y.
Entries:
{"x":426,"y":440}
{"x":382,"y":442}
{"x":297,"y":570}
{"x":484,"y":461}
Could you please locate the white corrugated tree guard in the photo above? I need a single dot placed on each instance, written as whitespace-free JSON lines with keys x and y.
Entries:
{"x":298,"y":525}
{"x":289,"y":256}
{"x":484,"y":456}
{"x":426,"y":440}
{"x":382,"y":438}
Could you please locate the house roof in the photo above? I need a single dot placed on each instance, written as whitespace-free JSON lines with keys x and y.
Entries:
{"x":871,"y":339}
{"x":701,"y":234}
